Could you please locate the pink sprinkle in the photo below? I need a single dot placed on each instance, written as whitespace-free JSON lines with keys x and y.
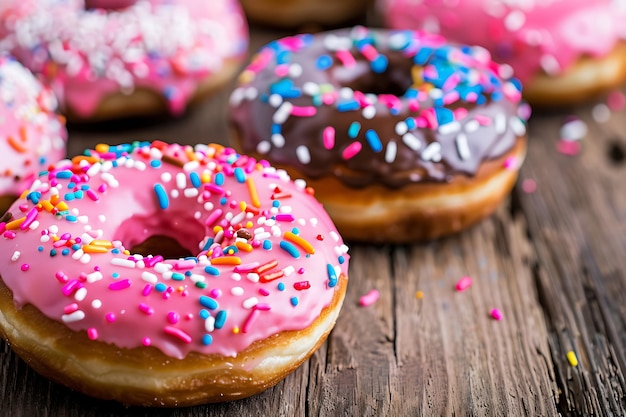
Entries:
{"x":303,"y":111}
{"x":146,"y":341}
{"x":568,"y":147}
{"x":483,"y":120}
{"x":529,"y":185}
{"x":329,"y":137}
{"x":253,"y":315}
{"x":70,"y":308}
{"x":71,"y":286}
{"x":496,"y":314}
{"x":463,"y":284}
{"x":25,"y":267}
{"x":92,"y":333}
{"x":369,"y":298}
{"x":281,"y":70}
{"x":61,"y":277}
{"x":215,"y":293}
{"x":9,"y":234}
{"x":246,"y":267}
{"x":180,"y":334}
{"x":147,"y":289}
{"x":93,"y":196}
{"x":262,"y":307}
{"x":369,"y":52}
{"x":351,"y":150}
{"x":146,"y":309}
{"x":346,"y":58}
{"x":616,"y":100}
{"x":264,"y":292}
{"x":186,"y":264}
{"x":110,"y":317}
{"x":285,"y":217}
{"x":173,"y":317}
{"x":510,"y":163}
{"x":120,"y":285}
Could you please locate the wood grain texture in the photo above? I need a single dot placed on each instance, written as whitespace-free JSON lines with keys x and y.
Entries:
{"x":553,"y":261}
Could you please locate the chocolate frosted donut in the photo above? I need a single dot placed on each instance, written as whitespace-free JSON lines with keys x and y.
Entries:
{"x":418,"y":136}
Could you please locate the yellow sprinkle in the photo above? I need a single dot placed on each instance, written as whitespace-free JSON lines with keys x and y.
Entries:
{"x":94,"y":249}
{"x":254,"y":196}
{"x":226,"y":260}
{"x":571,"y":357}
{"x":55,"y":199}
{"x":102,"y":148}
{"x":62,"y":206}
{"x":55,"y":238}
{"x":419,"y":295}
{"x":103,"y":243}
{"x":236,"y":330}
{"x":249,"y":224}
{"x":24,"y":194}
{"x":126,"y":252}
{"x":205,"y":177}
{"x":243,"y":206}
{"x":180,"y":289}
{"x":246,"y":247}
{"x":15,"y":224}
{"x":217,"y":229}
{"x":308,"y":248}
{"x":246,"y":77}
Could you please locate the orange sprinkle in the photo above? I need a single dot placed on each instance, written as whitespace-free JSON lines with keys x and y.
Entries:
{"x":47,"y":205}
{"x":254,"y":195}
{"x":15,"y":145}
{"x":94,"y":249}
{"x":226,"y":260}
{"x":55,"y":199}
{"x":419,"y":295}
{"x":102,"y":148}
{"x":236,"y":330}
{"x":23,"y":135}
{"x":15,"y":224}
{"x":24,"y":193}
{"x":190,"y":153}
{"x":246,"y":247}
{"x":62,"y":206}
{"x":308,"y":248}
{"x":78,"y":159}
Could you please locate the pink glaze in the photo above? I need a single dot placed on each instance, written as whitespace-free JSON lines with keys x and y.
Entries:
{"x":530,"y":35}
{"x":32,"y":135}
{"x":165,"y":46}
{"x":74,"y":265}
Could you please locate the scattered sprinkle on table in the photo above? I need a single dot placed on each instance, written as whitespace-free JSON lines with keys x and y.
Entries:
{"x":369,"y":298}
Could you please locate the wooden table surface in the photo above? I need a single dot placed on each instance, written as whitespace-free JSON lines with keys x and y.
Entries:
{"x":553,"y":261}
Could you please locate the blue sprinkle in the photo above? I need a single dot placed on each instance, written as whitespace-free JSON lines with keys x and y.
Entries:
{"x":208,"y":244}
{"x":348,"y":105}
{"x":294,"y":301}
{"x":188,"y":273}
{"x":276,"y":203}
{"x":195,"y":179}
{"x":220,"y":319}
{"x":410,"y":123}
{"x":155,"y":163}
{"x":341,"y":259}
{"x":219,"y":179}
{"x":204,"y":314}
{"x":207,"y":339}
{"x":84,"y":187}
{"x":177,"y":276}
{"x":160,"y":287}
{"x":240,"y":175}
{"x":324,"y":62}
{"x":64,"y":174}
{"x":65,"y":252}
{"x":295,"y":231}
{"x":373,"y":140}
{"x":53,"y":252}
{"x":71,"y":219}
{"x":115,"y":251}
{"x":283,"y":57}
{"x":78,"y":194}
{"x":276,"y":128}
{"x":332,"y":276}
{"x":212,"y":270}
{"x":208,"y":302}
{"x":379,"y":64}
{"x":75,"y":246}
{"x":422,"y":56}
{"x":34,"y":196}
{"x":69,"y":196}
{"x":40,"y":248}
{"x":71,"y":184}
{"x":289,"y":248}
{"x":444,"y":115}
{"x":115,"y":275}
{"x":354,"y":129}
{"x":267,"y":245}
{"x":281,"y":286}
{"x":164,"y":201}
{"x":223,"y":201}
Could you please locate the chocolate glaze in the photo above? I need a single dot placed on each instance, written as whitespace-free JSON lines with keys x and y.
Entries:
{"x":488,"y":130}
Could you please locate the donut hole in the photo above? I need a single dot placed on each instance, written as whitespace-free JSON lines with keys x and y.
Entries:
{"x":177,"y":235}
{"x":108,"y":4}
{"x":396,"y":80}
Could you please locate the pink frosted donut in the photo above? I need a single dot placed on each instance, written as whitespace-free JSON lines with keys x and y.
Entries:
{"x":32,"y":135}
{"x":259,"y":290}
{"x":117,"y":58}
{"x":561,"y":50}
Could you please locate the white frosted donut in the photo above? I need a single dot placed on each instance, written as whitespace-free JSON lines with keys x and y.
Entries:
{"x":259,"y":290}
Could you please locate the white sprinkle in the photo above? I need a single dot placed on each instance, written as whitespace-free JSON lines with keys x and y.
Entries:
{"x":174,"y":193}
{"x":471,"y":126}
{"x":335,"y":236}
{"x":401,"y":128}
{"x":275,"y":100}
{"x":94,"y":277}
{"x":263,"y":147}
{"x":289,"y":270}
{"x":601,"y":113}
{"x":166,"y":177}
{"x":462,"y":146}
{"x":295,"y":70}
{"x":431,"y":152}
{"x":251,"y":93}
{"x":253,"y":277}
{"x":191,"y":166}
{"x":197,"y":278}
{"x":451,"y":127}
{"x":390,"y":152}
{"x":278,"y":140}
{"x":514,"y":20}
{"x":191,"y":192}
{"x":162,"y":267}
{"x":149,"y":277}
{"x":500,"y":123}
{"x":573,"y":130}
{"x":80,"y":294}
{"x":549,"y":64}
{"x":209,"y":324}
{"x":411,"y":141}
{"x":282,"y":114}
{"x":237,"y":291}
{"x":15,"y":256}
{"x":126,"y":263}
{"x":237,"y":97}
{"x":369,"y":112}
{"x":75,"y":316}
{"x":96,"y":304}
{"x":181,"y":180}
{"x":248,"y":303}
{"x":310,"y":88}
{"x":302,"y":152}
{"x":300,"y":183}
{"x":76,"y":255}
{"x":518,"y":126}
{"x":235,"y":276}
